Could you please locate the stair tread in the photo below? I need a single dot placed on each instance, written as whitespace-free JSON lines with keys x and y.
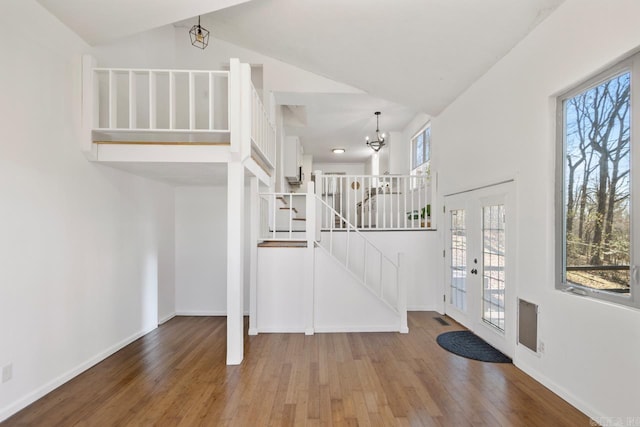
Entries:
{"x":286,"y":208}
{"x":282,"y":244}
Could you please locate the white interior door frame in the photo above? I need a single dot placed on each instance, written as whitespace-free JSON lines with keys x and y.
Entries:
{"x":481,"y":247}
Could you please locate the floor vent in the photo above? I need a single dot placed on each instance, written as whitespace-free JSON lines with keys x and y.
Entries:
{"x":528,"y":324}
{"x":441,"y":321}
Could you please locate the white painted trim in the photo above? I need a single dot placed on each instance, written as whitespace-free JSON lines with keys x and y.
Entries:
{"x":421,"y":308}
{"x":580,"y":404}
{"x":283,"y":330}
{"x":166,"y":318}
{"x":343,"y":329}
{"x":205,"y":313}
{"x":163,"y":153}
{"x":25,"y":401}
{"x":253,"y":331}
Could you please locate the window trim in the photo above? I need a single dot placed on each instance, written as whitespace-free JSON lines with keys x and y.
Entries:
{"x":632,"y":65}
{"x":413,"y":168}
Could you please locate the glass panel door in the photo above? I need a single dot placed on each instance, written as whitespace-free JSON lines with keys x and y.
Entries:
{"x":458,"y":259}
{"x":493,"y":268}
{"x":479,"y":290}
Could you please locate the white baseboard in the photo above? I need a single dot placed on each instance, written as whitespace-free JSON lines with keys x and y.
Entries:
{"x":27,"y":400}
{"x":580,"y":404}
{"x":421,"y":308}
{"x":253,"y":331}
{"x":344,"y":329}
{"x":283,"y":330}
{"x":201,"y":313}
{"x":166,"y":318}
{"x":205,"y":313}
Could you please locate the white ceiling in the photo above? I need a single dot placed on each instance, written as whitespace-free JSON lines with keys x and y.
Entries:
{"x":342,"y":120}
{"x":180,"y":174}
{"x":419,"y":53}
{"x":102,"y":21}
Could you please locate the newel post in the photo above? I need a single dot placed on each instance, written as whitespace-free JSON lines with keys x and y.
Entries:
{"x":309,"y":259}
{"x":403,"y":278}
{"x":319,"y":189}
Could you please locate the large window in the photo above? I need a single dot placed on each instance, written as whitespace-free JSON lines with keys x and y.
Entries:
{"x":596,"y":168}
{"x":421,"y":151}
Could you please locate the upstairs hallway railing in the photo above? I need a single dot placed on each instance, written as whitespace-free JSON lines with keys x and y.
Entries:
{"x":375,"y":202}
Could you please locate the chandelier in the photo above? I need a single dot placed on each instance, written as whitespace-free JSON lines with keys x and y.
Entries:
{"x":379,"y":141}
{"x":199,"y":36}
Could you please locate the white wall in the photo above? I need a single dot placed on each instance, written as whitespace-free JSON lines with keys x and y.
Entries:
{"x":201,"y":250}
{"x":348,"y":168}
{"x":503,"y":127}
{"x":280,"y":299}
{"x":422,"y":255}
{"x":342,"y":304}
{"x":82,"y":244}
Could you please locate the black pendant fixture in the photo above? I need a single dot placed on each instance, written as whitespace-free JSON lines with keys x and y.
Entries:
{"x":379,"y":141}
{"x":199,"y":36}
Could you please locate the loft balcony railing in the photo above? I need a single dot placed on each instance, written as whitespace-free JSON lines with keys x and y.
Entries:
{"x":177,"y":106}
{"x":161,"y":100}
{"x":376,"y":202}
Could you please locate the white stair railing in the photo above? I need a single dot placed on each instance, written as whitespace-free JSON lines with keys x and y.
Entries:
{"x":280,"y":216}
{"x":263,"y":132}
{"x":365,"y":261}
{"x":389,"y":202}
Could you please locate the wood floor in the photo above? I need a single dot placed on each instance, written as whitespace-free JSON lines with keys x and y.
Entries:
{"x":176,"y":375}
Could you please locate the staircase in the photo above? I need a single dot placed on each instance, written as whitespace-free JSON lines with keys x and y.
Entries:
{"x":330,"y":281}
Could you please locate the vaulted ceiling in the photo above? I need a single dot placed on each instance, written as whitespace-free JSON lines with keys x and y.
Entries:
{"x":419,"y":53}
{"x":407,"y":57}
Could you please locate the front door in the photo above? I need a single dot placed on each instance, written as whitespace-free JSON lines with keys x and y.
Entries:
{"x":480,"y":291}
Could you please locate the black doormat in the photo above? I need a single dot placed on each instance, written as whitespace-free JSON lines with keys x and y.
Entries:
{"x":469,"y":345}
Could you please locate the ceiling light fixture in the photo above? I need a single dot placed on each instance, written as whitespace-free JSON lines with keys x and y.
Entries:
{"x":379,"y":142}
{"x":338,"y":150}
{"x":199,"y":36}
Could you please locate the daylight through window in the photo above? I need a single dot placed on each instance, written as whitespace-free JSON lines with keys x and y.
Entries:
{"x":596,"y":180}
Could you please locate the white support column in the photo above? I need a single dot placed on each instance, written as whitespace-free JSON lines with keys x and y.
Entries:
{"x":235,"y":263}
{"x":403,"y":277}
{"x":90,"y":118}
{"x":309,"y":260}
{"x":254,"y":212}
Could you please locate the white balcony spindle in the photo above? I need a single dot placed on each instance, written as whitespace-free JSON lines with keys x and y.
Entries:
{"x":172,"y":100}
{"x":152,"y":101}
{"x":192,"y":101}
{"x":113,"y":100}
{"x":273,"y":217}
{"x":133,"y":107}
{"x":290,"y":216}
{"x":211,"y":102}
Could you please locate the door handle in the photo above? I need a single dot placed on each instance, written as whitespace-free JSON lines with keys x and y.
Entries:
{"x":634,"y":273}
